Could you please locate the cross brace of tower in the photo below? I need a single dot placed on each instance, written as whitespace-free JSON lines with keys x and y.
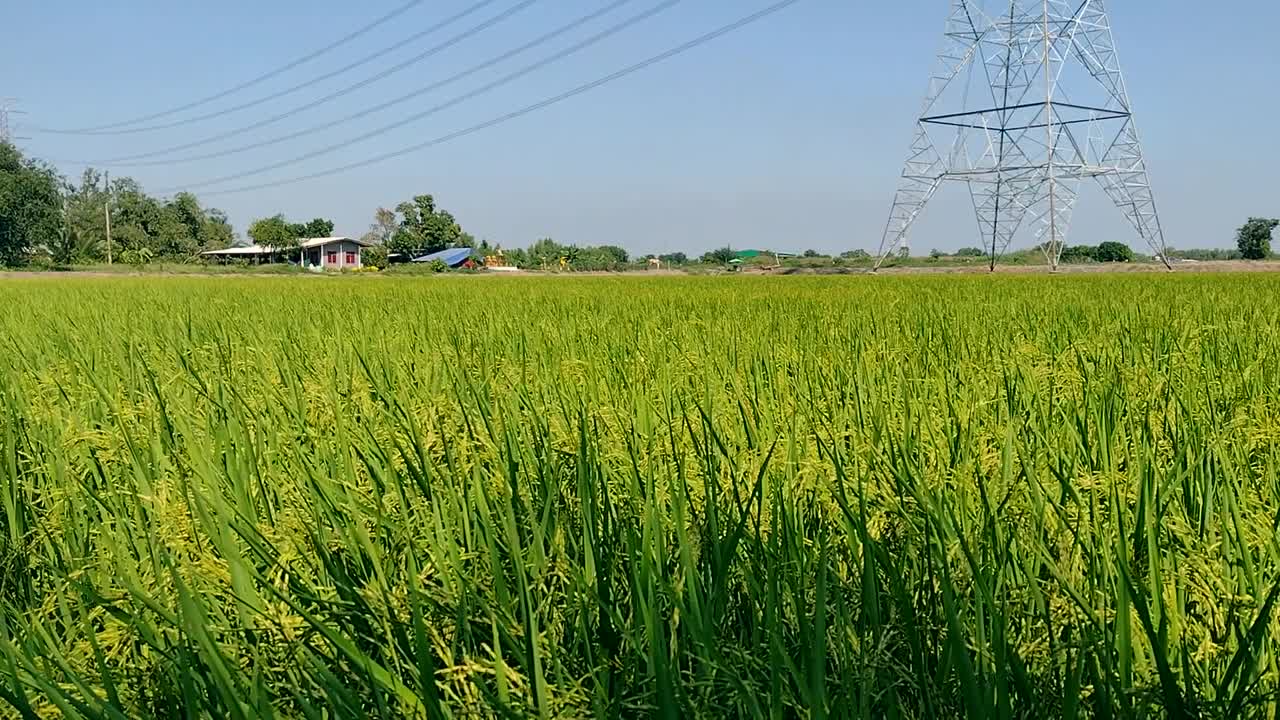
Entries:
{"x":1027,"y":102}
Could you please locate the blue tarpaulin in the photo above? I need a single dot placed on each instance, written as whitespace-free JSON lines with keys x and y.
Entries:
{"x":453,"y":257}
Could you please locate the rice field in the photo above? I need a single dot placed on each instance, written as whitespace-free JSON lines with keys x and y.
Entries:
{"x":871,"y":497}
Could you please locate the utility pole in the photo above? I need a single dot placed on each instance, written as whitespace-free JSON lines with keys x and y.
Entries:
{"x":106,"y":206}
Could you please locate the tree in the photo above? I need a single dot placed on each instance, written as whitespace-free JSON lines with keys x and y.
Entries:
{"x":855,"y":255}
{"x":1254,"y":238}
{"x":971,"y":252}
{"x":721,"y":256}
{"x":1113,"y":252}
{"x":812,"y":254}
{"x":1079,"y":254}
{"x":317,"y":228}
{"x":175,"y":229}
{"x":384,"y":227}
{"x":546,"y":253}
{"x":676,"y":258}
{"x":424,"y":228}
{"x":275,"y":233}
{"x":30,"y":206}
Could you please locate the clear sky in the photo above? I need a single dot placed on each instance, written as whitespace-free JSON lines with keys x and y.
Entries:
{"x":788,"y":134}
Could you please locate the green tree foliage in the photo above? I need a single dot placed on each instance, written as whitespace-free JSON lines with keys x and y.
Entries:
{"x":275,"y":233}
{"x":375,"y":256}
{"x":1113,"y":252}
{"x":278,"y":233}
{"x":812,"y":254}
{"x":317,"y":228}
{"x":30,"y":207}
{"x":547,"y":254}
{"x":1206,"y":254}
{"x":855,"y":255}
{"x":676,"y":258}
{"x":172,"y":230}
{"x":424,"y":228}
{"x":971,"y":252}
{"x":1075,"y":254}
{"x":602,"y":257}
{"x":721,"y":256}
{"x":1254,"y":238}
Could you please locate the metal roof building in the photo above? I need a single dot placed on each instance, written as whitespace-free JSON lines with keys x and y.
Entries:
{"x":453,"y":257}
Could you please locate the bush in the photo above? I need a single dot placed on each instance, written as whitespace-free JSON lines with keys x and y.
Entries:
{"x":1079,"y":254}
{"x":971,"y":252}
{"x":1113,"y":252}
{"x":375,"y":257}
{"x":1254,"y":238}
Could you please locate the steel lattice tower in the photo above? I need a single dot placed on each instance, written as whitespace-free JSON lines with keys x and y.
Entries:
{"x":5,"y":132}
{"x":1027,"y":102}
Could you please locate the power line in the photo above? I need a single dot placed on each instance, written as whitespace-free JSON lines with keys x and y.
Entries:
{"x":131,"y":160}
{"x":290,"y":90}
{"x":504,"y":80}
{"x":247,"y":84}
{"x":579,"y":90}
{"x":547,"y":37}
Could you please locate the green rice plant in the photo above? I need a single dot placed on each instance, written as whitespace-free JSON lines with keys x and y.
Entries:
{"x":995,"y":497}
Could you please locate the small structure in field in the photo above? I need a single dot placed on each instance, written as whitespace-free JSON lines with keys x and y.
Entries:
{"x":452,"y":258}
{"x":333,"y":253}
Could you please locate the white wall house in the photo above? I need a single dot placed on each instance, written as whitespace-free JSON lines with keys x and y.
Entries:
{"x":334,"y":253}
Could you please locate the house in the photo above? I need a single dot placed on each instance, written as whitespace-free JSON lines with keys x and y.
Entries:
{"x":453,"y":257}
{"x":334,"y":253}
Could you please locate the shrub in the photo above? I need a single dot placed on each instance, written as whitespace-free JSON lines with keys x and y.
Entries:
{"x":1113,"y":252}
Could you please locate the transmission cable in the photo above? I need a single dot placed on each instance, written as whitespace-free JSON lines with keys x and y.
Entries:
{"x":133,"y":160}
{"x":248,"y":83}
{"x":502,"y":119}
{"x":304,"y":85}
{"x":504,"y":80}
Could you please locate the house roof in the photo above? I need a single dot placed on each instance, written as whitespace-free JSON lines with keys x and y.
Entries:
{"x":308,"y":243}
{"x":450,"y":257}
{"x":305,"y":244}
{"x":239,"y":251}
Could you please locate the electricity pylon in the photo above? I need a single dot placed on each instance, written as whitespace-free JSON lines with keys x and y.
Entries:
{"x":5,"y":131}
{"x":1027,"y":102}
{"x":7,"y":112}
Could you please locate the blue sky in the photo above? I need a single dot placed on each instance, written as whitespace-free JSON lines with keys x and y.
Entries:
{"x":787,"y":134}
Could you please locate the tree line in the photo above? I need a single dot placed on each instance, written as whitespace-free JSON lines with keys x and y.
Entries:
{"x":43,"y":215}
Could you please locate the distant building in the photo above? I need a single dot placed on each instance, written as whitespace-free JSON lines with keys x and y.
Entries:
{"x":334,"y":253}
{"x":453,"y":257}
